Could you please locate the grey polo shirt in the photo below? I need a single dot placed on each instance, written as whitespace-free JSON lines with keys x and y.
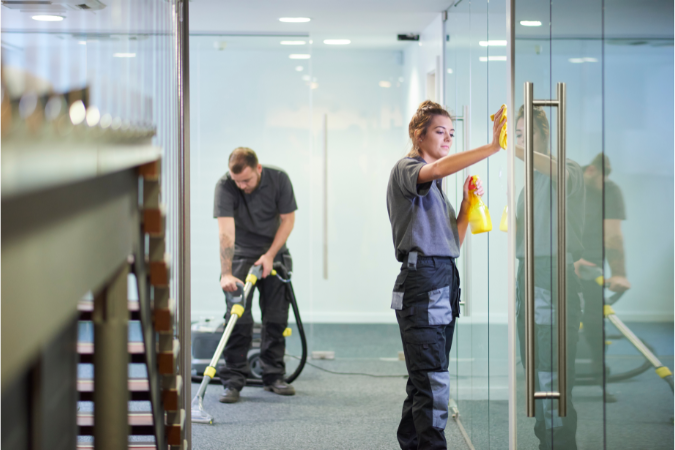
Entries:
{"x":256,"y":215}
{"x":422,"y":219}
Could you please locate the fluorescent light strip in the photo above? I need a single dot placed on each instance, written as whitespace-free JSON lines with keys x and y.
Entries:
{"x":48,"y":18}
{"x":530,"y":23}
{"x":294,"y":19}
{"x":299,"y":56}
{"x":492,"y":58}
{"x":492,"y":43}
{"x":293,"y":42}
{"x":582,"y":60}
{"x":337,"y":41}
{"x":385,"y":84}
{"x":124,"y":55}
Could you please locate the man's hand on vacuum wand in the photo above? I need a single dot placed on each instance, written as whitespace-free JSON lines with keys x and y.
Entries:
{"x":267,"y":262}
{"x":229,"y":283}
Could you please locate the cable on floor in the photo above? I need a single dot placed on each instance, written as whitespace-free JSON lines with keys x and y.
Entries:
{"x":350,"y":373}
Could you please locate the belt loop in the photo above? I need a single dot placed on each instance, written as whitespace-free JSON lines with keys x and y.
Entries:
{"x":412,"y":261}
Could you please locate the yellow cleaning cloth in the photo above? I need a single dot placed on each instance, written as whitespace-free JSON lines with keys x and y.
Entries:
{"x":502,"y":134}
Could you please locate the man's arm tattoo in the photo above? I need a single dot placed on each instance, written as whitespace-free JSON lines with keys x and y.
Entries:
{"x":615,"y":255}
{"x":226,"y":255}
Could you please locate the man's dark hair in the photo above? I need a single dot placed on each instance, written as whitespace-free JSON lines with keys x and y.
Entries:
{"x":241,"y":158}
{"x":598,"y":162}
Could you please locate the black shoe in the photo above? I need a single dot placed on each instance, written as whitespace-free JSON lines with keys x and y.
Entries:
{"x":229,"y":396}
{"x":280,"y":387}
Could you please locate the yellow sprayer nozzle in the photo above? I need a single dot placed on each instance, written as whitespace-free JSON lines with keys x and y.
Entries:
{"x":287,"y":332}
{"x":504,"y":223}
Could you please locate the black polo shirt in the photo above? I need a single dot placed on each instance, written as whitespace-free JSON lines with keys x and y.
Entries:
{"x":256,"y":215}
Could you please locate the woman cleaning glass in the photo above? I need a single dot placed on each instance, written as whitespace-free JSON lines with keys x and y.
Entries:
{"x":427,"y":237}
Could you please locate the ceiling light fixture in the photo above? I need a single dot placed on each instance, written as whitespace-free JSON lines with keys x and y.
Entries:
{"x":530,"y":23}
{"x":337,"y":41}
{"x":492,"y":43}
{"x":492,"y":58}
{"x":294,"y":19}
{"x":299,"y":68}
{"x":385,"y":84}
{"x":293,"y":42}
{"x":48,"y":18}
{"x":82,"y":42}
{"x":124,"y":55}
{"x":449,"y":70}
{"x":582,"y":60}
{"x":299,"y":56}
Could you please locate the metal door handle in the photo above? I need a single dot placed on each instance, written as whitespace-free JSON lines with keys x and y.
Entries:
{"x":530,"y":393}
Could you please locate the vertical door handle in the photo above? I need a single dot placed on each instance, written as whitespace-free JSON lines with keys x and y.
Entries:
{"x":561,"y":174}
{"x":325,"y":195}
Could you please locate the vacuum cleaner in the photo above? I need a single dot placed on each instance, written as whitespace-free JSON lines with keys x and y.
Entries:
{"x":595,"y":273}
{"x":238,"y":300}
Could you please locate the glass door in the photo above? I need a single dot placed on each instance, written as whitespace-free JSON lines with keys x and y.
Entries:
{"x":475,"y":60}
{"x":556,"y":119}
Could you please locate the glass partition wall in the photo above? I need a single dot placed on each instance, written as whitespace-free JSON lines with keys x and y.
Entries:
{"x":475,"y":72}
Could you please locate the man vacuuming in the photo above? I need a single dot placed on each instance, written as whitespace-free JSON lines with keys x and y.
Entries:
{"x":255,"y":207}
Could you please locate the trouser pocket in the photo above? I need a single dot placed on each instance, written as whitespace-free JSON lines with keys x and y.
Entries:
{"x":425,"y":348}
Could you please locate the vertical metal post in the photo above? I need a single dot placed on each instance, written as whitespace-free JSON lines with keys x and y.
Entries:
{"x":529,"y":248}
{"x":511,"y":201}
{"x":184,"y":281}
{"x":325,"y":195}
{"x":562,"y":254}
{"x":466,"y":275}
{"x":111,"y":360}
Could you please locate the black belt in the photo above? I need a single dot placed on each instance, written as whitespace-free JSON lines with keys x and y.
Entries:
{"x":411,"y":259}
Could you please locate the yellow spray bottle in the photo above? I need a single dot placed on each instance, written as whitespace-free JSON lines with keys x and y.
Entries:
{"x":479,"y":216}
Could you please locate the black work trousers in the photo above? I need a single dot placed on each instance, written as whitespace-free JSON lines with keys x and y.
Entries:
{"x":274,"y":302}
{"x":552,"y":430}
{"x":593,"y":320}
{"x":428,"y":306}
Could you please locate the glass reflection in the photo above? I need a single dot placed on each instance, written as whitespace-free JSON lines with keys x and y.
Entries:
{"x":549,"y":427}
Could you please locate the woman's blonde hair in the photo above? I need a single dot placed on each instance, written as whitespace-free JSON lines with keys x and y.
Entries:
{"x":420,"y":122}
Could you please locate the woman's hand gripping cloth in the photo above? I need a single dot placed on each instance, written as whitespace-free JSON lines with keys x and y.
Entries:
{"x":502,"y":134}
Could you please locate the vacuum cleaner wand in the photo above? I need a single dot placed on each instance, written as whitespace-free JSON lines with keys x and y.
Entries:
{"x":238,"y":300}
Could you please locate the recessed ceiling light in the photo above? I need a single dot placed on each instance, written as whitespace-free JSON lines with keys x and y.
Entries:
{"x":582,"y":60}
{"x":385,"y":84}
{"x":337,"y":41}
{"x":124,"y":55}
{"x":492,"y":58}
{"x":294,"y":19}
{"x":492,"y":43}
{"x":299,"y":68}
{"x":530,"y":23}
{"x":449,"y":70}
{"x":48,"y":18}
{"x":77,"y":112}
{"x":299,"y":56}
{"x":82,"y":42}
{"x":293,"y":42}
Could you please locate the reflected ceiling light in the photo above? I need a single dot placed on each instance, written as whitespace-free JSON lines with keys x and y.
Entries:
{"x":582,"y":60}
{"x":449,"y":70}
{"x":293,"y":42}
{"x":77,"y":112}
{"x":299,"y":56}
{"x":48,"y":18}
{"x":82,"y":42}
{"x":530,"y":23}
{"x":385,"y":84}
{"x":492,"y":58}
{"x":492,"y":43}
{"x":93,"y":116}
{"x":124,"y":55}
{"x":299,"y":68}
{"x":337,"y":41}
{"x":294,"y":19}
